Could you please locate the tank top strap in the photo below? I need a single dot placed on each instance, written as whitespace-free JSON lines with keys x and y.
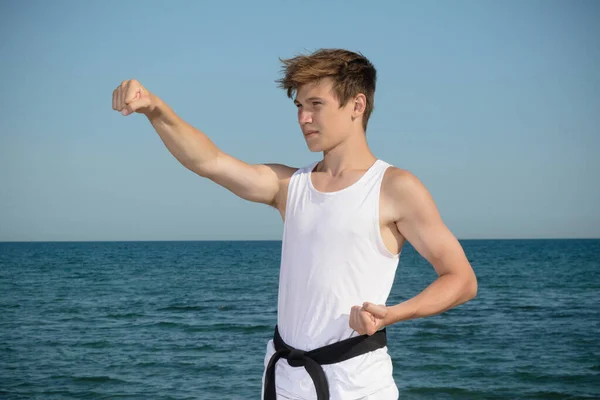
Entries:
{"x":374,"y":175}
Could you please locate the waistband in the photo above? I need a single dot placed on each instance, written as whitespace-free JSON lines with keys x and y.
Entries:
{"x":312,"y":360}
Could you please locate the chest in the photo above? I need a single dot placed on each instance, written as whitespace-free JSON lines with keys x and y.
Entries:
{"x":332,"y":218}
{"x":328,"y":184}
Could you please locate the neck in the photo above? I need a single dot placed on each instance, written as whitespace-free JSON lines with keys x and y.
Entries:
{"x":352,"y":153}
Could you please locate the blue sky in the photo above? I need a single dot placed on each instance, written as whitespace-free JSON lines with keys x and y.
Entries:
{"x":493,"y":105}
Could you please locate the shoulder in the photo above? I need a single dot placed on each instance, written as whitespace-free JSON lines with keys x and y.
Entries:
{"x":398,"y":181}
{"x":404,"y":192}
{"x":283,"y":172}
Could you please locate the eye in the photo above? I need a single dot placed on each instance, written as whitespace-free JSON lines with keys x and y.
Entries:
{"x":316,"y":103}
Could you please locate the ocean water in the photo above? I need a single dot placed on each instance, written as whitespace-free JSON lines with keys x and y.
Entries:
{"x":190,"y":320}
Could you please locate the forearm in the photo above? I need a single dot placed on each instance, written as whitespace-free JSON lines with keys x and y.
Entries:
{"x":444,"y":293}
{"x":189,"y":145}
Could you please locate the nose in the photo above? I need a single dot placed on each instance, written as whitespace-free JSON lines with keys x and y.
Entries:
{"x":304,"y":117}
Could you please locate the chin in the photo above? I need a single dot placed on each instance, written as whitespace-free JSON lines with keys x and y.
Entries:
{"x":315,"y":147}
{"x":317,"y":144}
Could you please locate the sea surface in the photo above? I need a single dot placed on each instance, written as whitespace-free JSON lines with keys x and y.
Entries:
{"x":190,"y":320}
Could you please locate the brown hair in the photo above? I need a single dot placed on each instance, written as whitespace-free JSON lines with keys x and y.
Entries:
{"x":351,"y":72}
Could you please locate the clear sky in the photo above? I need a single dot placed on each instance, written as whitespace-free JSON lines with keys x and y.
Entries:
{"x":495,"y":106}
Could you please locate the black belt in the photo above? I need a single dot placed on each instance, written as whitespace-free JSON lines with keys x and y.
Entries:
{"x":312,"y":360}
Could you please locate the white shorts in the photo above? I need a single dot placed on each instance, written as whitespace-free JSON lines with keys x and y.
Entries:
{"x":387,"y":393}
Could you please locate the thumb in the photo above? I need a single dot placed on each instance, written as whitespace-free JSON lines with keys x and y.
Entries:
{"x":379,"y":311}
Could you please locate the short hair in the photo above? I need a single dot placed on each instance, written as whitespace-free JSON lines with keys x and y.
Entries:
{"x":352,"y":73}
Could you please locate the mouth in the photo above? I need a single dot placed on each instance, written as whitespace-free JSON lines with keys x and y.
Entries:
{"x":310,"y":133}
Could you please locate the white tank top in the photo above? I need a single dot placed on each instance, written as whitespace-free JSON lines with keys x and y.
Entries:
{"x":333,"y":258}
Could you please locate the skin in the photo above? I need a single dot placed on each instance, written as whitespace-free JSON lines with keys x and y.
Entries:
{"x":407,"y":210}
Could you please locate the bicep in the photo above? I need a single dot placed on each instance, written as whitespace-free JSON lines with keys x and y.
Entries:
{"x":421,"y":224}
{"x":258,"y":183}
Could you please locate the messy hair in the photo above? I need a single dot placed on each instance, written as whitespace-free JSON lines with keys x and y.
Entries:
{"x":352,"y":73}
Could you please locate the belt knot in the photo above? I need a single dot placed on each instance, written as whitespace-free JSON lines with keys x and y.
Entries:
{"x":296,"y":358}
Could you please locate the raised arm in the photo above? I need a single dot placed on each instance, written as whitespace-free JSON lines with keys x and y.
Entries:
{"x":259,"y":183}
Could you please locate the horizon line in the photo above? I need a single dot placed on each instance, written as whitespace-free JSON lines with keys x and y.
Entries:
{"x":266,"y":240}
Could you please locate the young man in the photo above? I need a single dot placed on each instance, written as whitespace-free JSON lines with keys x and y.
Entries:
{"x":346,"y":218}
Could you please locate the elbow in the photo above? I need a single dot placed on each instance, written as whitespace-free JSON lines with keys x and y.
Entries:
{"x":473,"y":290}
{"x":471,"y":286}
{"x":466,"y":288}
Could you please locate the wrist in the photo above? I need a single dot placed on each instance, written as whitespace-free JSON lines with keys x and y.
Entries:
{"x":156,"y":109}
{"x":400,"y":312}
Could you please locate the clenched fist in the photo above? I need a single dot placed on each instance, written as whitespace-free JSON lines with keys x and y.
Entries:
{"x":130,"y":97}
{"x":368,"y":319}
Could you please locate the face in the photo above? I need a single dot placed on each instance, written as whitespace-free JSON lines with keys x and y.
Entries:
{"x":323,"y":122}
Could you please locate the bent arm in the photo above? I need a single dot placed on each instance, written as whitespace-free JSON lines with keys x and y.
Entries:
{"x":259,"y":183}
{"x":420,"y":223}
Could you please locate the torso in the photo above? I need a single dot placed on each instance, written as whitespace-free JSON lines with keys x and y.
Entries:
{"x":388,"y":214}
{"x":336,"y":253}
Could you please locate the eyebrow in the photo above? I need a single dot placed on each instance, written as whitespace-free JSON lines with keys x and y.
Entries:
{"x":310,"y":99}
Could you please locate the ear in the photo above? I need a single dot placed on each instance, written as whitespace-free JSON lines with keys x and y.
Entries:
{"x":360,"y":104}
